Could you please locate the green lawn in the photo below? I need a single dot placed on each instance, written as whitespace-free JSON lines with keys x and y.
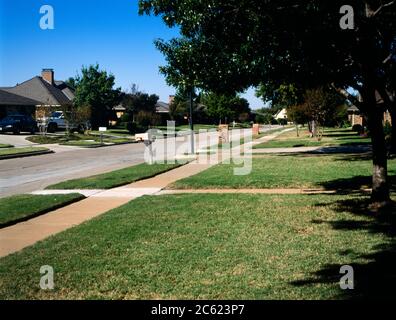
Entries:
{"x":6,"y":145}
{"x":296,"y":171}
{"x":79,"y":140}
{"x":116,"y":178}
{"x":212,"y":247}
{"x":197,"y":127}
{"x":16,"y":151}
{"x":21,"y":207}
{"x":242,"y":141}
{"x":331,"y":137}
{"x":115,"y":132}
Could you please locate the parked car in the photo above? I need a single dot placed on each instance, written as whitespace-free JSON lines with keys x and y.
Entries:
{"x":57,"y":122}
{"x":18,"y":123}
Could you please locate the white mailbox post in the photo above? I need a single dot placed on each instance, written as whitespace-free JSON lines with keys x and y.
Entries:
{"x":101,"y":130}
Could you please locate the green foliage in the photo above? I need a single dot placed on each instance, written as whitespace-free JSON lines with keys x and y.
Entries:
{"x":136,"y":101}
{"x":225,"y":108}
{"x":95,"y":88}
{"x":231,"y":45}
{"x":298,"y":114}
{"x":147,"y":118}
{"x":279,"y":97}
{"x":321,"y":104}
{"x":357,"y":128}
{"x":77,"y":116}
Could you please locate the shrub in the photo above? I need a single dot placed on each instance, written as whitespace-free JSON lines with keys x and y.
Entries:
{"x":282,"y":122}
{"x":134,"y":128}
{"x":387,"y":129}
{"x":357,"y":128}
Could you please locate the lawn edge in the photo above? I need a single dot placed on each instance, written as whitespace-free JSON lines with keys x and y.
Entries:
{"x":95,"y":146}
{"x":26,"y":154}
{"x":39,"y":213}
{"x":117,"y":185}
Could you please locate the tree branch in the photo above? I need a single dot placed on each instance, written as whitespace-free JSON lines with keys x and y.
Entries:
{"x":370,"y":13}
{"x":347,"y":95}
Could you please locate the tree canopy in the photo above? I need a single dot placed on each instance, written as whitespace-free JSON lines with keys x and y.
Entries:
{"x":227,"y":46}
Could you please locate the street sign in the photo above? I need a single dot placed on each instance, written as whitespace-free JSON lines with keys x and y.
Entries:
{"x":102,"y":129}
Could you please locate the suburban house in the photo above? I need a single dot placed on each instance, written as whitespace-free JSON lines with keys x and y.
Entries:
{"x":281,"y":115}
{"x":355,"y":117}
{"x":32,"y":95}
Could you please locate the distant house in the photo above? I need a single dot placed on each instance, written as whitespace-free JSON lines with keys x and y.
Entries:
{"x":40,"y":91}
{"x":281,"y":115}
{"x":119,"y":110}
{"x":160,"y":107}
{"x":356,"y":117}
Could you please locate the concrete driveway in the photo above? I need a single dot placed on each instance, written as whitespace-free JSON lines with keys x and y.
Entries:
{"x":15,"y":140}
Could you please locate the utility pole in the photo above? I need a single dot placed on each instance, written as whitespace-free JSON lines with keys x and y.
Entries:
{"x":191,"y":120}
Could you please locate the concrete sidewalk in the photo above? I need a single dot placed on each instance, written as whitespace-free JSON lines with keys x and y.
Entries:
{"x":19,"y":236}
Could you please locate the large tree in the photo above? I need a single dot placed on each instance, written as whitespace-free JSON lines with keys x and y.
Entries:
{"x":230,"y":45}
{"x":95,"y":88}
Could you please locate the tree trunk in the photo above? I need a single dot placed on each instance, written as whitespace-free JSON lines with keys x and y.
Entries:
{"x":314,"y":128}
{"x":380,"y":188}
{"x":392,"y":111}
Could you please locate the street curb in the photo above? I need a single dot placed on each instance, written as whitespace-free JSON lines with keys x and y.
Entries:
{"x":99,"y":146}
{"x":35,"y":215}
{"x":25,"y":154}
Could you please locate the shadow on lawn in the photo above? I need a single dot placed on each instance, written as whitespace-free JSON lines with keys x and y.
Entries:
{"x":375,"y":279}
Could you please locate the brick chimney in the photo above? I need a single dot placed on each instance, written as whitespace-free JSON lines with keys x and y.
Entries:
{"x":48,"y":75}
{"x":171,"y":99}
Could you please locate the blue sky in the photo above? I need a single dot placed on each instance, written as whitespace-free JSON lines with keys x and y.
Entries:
{"x":110,"y":33}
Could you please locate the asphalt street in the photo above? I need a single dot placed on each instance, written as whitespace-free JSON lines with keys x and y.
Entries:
{"x":23,"y":175}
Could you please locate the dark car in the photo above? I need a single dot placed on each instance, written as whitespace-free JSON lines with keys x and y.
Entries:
{"x":17,"y":124}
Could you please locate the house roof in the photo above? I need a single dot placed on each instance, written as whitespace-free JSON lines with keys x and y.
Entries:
{"x":40,"y":90}
{"x":120,"y":107}
{"x":7,"y":98}
{"x":281,"y":112}
{"x":162,"y":107}
{"x":353,"y":108}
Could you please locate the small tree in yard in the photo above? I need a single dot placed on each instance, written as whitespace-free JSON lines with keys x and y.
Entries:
{"x":95,"y":88}
{"x":77,"y":116}
{"x":299,"y":115}
{"x":230,"y":45}
{"x":321,"y":106}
